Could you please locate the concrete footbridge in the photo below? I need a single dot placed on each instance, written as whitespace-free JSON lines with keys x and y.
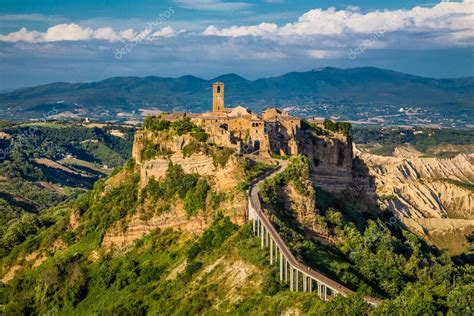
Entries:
{"x":299,"y":276}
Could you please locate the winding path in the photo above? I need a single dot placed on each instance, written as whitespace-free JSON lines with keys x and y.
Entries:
{"x":298,"y":275}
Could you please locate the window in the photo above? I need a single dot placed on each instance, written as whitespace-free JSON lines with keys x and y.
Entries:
{"x":218,"y":89}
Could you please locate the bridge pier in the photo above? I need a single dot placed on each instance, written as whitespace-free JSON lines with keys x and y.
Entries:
{"x":271,"y":252}
{"x":297,"y":281}
{"x":262,"y":228}
{"x":281,"y":266}
{"x":291,"y":279}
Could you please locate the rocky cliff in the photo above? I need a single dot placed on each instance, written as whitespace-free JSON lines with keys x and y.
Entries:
{"x":331,"y":161}
{"x":222,"y":180}
{"x":431,"y":195}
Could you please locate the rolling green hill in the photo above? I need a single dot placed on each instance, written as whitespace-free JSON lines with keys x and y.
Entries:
{"x":57,"y":262}
{"x":369,"y":86}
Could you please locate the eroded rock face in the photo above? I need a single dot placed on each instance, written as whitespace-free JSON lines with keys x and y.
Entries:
{"x":123,"y":233}
{"x":421,"y":192}
{"x":331,"y":161}
{"x":419,"y":187}
{"x":303,"y":206}
{"x":224,"y":178}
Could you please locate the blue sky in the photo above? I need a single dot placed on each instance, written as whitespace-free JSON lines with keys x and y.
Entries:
{"x":43,"y":41}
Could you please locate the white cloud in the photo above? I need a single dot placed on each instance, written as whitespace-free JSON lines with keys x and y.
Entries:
{"x":75,"y":32}
{"x":452,"y":20}
{"x":263,"y":30}
{"x":67,"y":32}
{"x":167,"y":31}
{"x":316,"y":34}
{"x":321,"y":54}
{"x":107,"y":34}
{"x":23,"y":35}
{"x":212,"y":5}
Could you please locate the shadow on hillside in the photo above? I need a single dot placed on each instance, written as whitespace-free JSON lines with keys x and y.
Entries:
{"x":365,"y":189}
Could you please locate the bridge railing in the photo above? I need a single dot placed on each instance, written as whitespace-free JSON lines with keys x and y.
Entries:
{"x":298,"y":275}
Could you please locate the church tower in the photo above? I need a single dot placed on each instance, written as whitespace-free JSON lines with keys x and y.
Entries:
{"x":218,"y":97}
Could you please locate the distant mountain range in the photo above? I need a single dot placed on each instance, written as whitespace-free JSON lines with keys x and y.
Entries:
{"x":332,"y":86}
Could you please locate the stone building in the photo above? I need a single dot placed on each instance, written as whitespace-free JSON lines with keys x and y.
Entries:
{"x":273,"y":132}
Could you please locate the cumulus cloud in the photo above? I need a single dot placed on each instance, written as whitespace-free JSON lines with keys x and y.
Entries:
{"x":445,"y":23}
{"x":263,"y":29}
{"x":451,"y":20}
{"x":75,"y":32}
{"x":167,"y":31}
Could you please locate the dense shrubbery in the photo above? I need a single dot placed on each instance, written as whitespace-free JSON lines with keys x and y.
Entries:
{"x":212,"y":238}
{"x":156,"y":124}
{"x":253,"y":170}
{"x":377,"y":257}
{"x":220,"y":155}
{"x":101,"y":210}
{"x":192,"y":189}
{"x":339,"y":127}
{"x":151,"y":150}
{"x":195,"y":198}
{"x":16,"y":231}
{"x":424,"y":140}
{"x":182,"y":126}
{"x":296,"y":173}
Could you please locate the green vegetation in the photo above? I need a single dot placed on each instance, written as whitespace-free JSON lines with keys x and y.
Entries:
{"x":182,"y":126}
{"x":464,"y":185}
{"x":223,"y":271}
{"x":140,"y":282}
{"x":330,"y":126}
{"x":443,"y":143}
{"x":375,"y":255}
{"x":337,"y":127}
{"x":101,"y":211}
{"x":296,"y":172}
{"x":28,"y":189}
{"x":220,"y":155}
{"x":253,"y":170}
{"x":152,"y":150}
{"x":190,"y":188}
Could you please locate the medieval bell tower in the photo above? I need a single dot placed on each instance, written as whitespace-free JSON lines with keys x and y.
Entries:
{"x":218,"y":97}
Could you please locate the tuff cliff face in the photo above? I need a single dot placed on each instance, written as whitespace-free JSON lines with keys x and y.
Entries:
{"x":330,"y":160}
{"x":430,"y":195}
{"x":222,"y":179}
{"x":423,"y":187}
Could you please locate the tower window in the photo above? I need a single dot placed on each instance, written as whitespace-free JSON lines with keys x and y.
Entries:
{"x":218,"y":89}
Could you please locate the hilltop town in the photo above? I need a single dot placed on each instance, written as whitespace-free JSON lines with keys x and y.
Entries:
{"x":273,"y":133}
{"x":242,"y":207}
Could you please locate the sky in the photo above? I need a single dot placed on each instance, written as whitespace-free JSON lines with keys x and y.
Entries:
{"x":43,"y":41}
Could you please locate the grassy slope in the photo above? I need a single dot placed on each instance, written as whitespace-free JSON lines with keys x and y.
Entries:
{"x":80,"y":278}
